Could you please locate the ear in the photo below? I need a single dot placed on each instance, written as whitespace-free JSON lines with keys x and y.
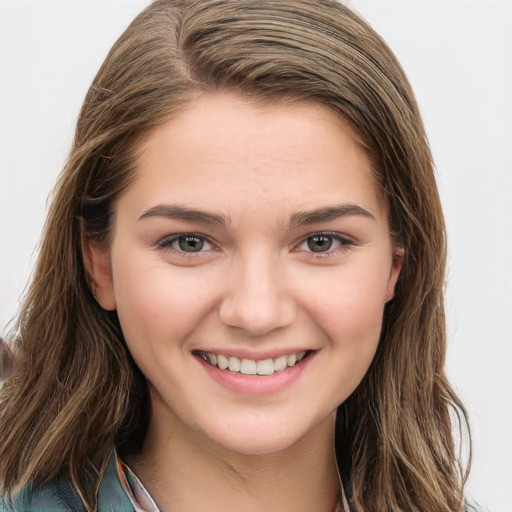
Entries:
{"x":97,"y":262}
{"x":394,"y":272}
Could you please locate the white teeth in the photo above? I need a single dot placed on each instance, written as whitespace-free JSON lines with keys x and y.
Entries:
{"x":250,"y":366}
{"x":234,"y":364}
{"x":265,"y":367}
{"x":222,"y":362}
{"x":280,"y":363}
{"x":291,"y":359}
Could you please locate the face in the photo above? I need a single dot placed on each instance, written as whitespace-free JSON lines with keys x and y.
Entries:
{"x":250,"y":264}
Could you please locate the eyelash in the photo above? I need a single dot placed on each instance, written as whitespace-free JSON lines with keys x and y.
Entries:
{"x":168,"y":243}
{"x":344,"y":244}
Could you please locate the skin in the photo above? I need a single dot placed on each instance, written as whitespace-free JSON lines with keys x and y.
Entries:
{"x":255,"y":289}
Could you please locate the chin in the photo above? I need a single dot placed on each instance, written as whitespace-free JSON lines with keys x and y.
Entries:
{"x":267,"y":438}
{"x":262,"y":445}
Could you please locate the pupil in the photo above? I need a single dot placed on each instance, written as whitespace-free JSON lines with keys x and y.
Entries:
{"x":320,"y":243}
{"x":190,"y":243}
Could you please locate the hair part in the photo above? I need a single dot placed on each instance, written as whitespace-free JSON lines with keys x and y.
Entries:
{"x":77,"y":394}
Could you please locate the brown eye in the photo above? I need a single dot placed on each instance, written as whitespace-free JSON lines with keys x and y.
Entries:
{"x":325,"y":244}
{"x":186,"y":244}
{"x":190,"y":243}
{"x":320,"y":243}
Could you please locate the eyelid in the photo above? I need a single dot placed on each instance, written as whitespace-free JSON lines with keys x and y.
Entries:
{"x":345,"y":242}
{"x":166,"y":242}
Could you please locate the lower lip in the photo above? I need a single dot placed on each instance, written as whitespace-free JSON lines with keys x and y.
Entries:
{"x":256,"y":384}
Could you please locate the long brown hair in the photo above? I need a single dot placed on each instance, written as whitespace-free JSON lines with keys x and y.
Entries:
{"x":77,"y":394}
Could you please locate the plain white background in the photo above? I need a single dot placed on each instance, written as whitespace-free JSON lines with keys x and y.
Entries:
{"x":457,"y":54}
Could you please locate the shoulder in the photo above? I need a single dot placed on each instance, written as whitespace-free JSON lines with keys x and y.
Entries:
{"x":61,"y":496}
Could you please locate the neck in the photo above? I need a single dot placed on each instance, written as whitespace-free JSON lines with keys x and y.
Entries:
{"x":184,"y":470}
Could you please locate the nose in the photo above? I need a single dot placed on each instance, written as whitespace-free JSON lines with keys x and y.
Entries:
{"x":257,"y":297}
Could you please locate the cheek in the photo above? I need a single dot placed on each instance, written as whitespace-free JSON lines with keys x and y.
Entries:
{"x":158,"y":303}
{"x":350,"y":314}
{"x":349,"y":306}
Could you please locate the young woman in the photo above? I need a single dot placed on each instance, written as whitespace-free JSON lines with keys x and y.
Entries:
{"x":238,"y":300}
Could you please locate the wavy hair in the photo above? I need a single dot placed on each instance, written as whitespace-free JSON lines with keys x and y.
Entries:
{"x":77,"y":393}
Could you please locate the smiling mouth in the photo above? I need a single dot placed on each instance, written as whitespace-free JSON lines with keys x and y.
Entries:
{"x":268,"y":366}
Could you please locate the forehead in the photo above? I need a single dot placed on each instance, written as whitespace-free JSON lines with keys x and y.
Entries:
{"x":226,"y":151}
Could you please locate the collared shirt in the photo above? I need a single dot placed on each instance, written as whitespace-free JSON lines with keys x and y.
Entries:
{"x":132,"y":486}
{"x":120,"y":491}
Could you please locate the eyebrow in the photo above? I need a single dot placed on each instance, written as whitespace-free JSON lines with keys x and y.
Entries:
{"x":186,"y":213}
{"x":326,"y":214}
{"x":297,"y":220}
